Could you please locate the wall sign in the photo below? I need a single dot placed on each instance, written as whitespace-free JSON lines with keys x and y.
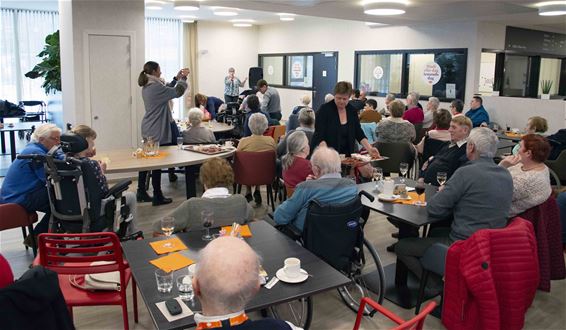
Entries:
{"x":432,"y":73}
{"x":270,"y":70}
{"x":378,"y":72}
{"x":297,"y":69}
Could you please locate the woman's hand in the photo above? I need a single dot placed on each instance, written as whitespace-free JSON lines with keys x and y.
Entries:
{"x":103,"y":166}
{"x":183,"y":73}
{"x":510,"y":161}
{"x":374,"y":152}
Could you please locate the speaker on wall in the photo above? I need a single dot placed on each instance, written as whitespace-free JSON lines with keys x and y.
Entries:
{"x":255,"y":74}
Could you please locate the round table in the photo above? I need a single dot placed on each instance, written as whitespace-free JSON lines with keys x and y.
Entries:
{"x":215,"y":126}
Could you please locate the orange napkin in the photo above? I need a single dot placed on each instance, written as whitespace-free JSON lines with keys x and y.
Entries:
{"x":244,"y":230}
{"x":176,"y":245}
{"x":172,"y":262}
{"x":514,"y":135}
{"x":414,"y":197}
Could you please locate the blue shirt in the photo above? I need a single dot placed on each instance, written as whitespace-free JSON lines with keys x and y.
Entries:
{"x":212,"y":105}
{"x":478,"y":116}
{"x":24,"y":176}
{"x":330,"y":188}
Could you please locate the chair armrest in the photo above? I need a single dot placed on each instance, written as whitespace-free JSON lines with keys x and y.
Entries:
{"x":434,"y":258}
{"x":118,"y":188}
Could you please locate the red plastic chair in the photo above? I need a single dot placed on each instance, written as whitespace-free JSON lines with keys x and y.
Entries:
{"x":255,"y":169}
{"x":416,"y":322}
{"x":14,"y":216}
{"x":71,"y":255}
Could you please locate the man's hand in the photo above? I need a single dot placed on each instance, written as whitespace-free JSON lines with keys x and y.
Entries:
{"x":311,"y":177}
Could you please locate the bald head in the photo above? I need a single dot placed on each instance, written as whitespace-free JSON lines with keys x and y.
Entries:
{"x":325,"y":160}
{"x":227,"y":276}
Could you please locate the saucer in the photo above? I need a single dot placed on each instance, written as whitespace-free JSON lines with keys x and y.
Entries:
{"x":387,"y":198}
{"x":283,"y":277}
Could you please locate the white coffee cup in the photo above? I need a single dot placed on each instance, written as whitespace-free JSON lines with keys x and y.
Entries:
{"x":388,"y":187}
{"x":229,"y":143}
{"x":292,"y":267}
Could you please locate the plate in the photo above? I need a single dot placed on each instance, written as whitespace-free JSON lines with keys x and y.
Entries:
{"x":283,"y":277}
{"x":387,"y":198}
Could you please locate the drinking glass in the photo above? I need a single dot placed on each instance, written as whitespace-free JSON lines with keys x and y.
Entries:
{"x":403,"y":168}
{"x":167,"y":226}
{"x":164,"y":280}
{"x":420,"y":189}
{"x":180,"y":142}
{"x":441,"y":178}
{"x":185,"y":287}
{"x":207,"y":220}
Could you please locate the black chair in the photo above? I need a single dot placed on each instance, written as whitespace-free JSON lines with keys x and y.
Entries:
{"x":398,"y":152}
{"x":431,"y":147}
{"x":39,"y":115}
{"x":419,"y":132}
{"x":433,"y":261}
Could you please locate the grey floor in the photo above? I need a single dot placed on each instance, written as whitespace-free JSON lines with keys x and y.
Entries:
{"x":548,"y":310}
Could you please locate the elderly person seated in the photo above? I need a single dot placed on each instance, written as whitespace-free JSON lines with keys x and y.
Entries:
{"x":385,"y":110}
{"x":326,"y":185}
{"x":226,"y":279}
{"x":531,"y":179}
{"x":254,"y":107}
{"x":296,"y":167}
{"x":306,"y":125}
{"x":24,"y":183}
{"x":293,"y":120}
{"x":257,"y":142}
{"x":535,"y":125}
{"x":197,"y":133}
{"x":370,"y":114}
{"x":431,"y":107}
{"x":476,"y":197}
{"x":395,"y":128}
{"x":94,"y":174}
{"x":441,"y":121}
{"x":414,"y":113}
{"x":217,"y":176}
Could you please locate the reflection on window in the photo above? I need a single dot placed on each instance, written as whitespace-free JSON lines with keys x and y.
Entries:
{"x":417,"y":65}
{"x":515,"y":82}
{"x":299,"y":71}
{"x":550,"y":70}
{"x":442,"y":75}
{"x":380,"y":73}
{"x":487,"y":73}
{"x":272,"y":69}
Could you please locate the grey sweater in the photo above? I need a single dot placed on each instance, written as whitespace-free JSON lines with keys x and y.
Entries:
{"x":234,"y":208}
{"x":198,"y":134}
{"x":271,"y":102}
{"x":478,"y":196}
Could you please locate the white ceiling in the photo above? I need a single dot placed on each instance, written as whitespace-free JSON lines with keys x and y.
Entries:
{"x":511,"y":12}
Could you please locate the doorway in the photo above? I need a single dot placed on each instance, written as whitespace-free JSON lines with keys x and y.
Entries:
{"x":325,"y":76}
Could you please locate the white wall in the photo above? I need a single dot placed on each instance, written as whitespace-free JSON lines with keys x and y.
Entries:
{"x":221,"y":46}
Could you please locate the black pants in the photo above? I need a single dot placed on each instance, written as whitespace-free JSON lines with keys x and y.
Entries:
{"x":156,"y":174}
{"x":229,"y":98}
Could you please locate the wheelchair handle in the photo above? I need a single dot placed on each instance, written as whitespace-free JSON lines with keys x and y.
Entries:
{"x":36,"y":157}
{"x":368,"y":195}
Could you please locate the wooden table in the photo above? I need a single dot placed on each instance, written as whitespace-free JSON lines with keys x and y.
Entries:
{"x":123,"y":161}
{"x":502,"y":136}
{"x":17,"y":127}
{"x":401,"y":287}
{"x":269,"y":243}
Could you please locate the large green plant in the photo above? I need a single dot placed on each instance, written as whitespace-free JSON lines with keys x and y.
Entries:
{"x":50,"y":67}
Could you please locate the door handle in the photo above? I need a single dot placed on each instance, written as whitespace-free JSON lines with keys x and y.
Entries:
{"x":95,"y":117}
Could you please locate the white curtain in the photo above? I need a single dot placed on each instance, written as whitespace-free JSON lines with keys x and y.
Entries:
{"x":164,"y":45}
{"x":22,"y":37}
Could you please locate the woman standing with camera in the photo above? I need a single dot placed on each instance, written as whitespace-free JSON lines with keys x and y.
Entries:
{"x":158,"y":122}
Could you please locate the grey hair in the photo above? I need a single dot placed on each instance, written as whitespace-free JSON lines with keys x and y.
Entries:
{"x":390,"y":97}
{"x":296,"y":143}
{"x":435,"y":102}
{"x":257,"y":123}
{"x":327,"y":160}
{"x":328,"y":97}
{"x":414,"y":97}
{"x":306,"y":117}
{"x":195,"y":116}
{"x":484,"y":141}
{"x":306,"y":100}
{"x":228,"y":284}
{"x":44,"y":131}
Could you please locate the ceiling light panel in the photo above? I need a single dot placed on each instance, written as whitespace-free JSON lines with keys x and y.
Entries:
{"x":186,"y":5}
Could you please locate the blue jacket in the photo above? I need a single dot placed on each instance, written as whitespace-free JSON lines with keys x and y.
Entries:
{"x":24,"y":176}
{"x":478,"y":116}
{"x":327,"y":189}
{"x":212,"y":105}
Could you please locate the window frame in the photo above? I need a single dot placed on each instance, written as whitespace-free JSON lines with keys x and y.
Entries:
{"x":285,"y":68}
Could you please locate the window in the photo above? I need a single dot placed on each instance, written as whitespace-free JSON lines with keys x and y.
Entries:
{"x":440,"y":73}
{"x":487,"y":73}
{"x":299,"y":71}
{"x":550,"y":70}
{"x":380,"y":73}
{"x":273,"y":69}
{"x":516,"y":70}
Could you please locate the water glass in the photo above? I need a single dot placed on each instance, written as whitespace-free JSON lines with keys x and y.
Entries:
{"x":168,"y":226}
{"x":403,"y":168}
{"x":180,"y":142}
{"x":185,"y":287}
{"x":164,"y":280}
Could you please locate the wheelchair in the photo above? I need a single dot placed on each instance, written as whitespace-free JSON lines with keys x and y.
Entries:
{"x":334,"y":233}
{"x":75,"y":206}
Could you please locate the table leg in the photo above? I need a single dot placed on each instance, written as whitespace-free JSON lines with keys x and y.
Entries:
{"x":13,"y":145}
{"x":2,"y":138}
{"x":190,"y":180}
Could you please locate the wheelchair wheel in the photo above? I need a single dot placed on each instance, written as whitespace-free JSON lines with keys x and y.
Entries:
{"x":299,"y":312}
{"x":367,"y":280}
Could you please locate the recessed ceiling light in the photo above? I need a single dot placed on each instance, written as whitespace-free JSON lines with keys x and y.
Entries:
{"x":242,"y":20}
{"x":220,"y":11}
{"x":385,"y":7}
{"x":187,"y":16}
{"x":552,"y":8}
{"x":287,"y":18}
{"x":242,"y":24}
{"x":374,"y":24}
{"x":286,"y":14}
{"x":186,"y":5}
{"x":154,"y":5}
{"x":188,"y":20}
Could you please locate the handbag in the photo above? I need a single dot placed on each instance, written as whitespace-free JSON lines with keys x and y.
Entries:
{"x":109,"y":281}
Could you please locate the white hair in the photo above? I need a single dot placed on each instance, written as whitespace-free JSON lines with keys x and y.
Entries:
{"x":257,"y":123}
{"x":44,"y":131}
{"x":328,"y":97}
{"x":434,"y":101}
{"x":306,"y":100}
{"x":306,"y":117}
{"x":327,"y":160}
{"x":195,"y":116}
{"x":414,"y":98}
{"x":484,"y":141}
{"x":390,"y":97}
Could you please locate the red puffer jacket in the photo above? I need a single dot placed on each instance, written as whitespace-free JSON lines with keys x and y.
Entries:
{"x":491,"y":278}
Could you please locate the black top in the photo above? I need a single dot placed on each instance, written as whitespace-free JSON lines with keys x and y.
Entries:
{"x":327,"y":125}
{"x":267,"y":324}
{"x":357,"y":104}
{"x":448,"y":159}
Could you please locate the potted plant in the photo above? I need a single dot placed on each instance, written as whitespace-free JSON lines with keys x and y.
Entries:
{"x":50,"y":67}
{"x":545,"y":86}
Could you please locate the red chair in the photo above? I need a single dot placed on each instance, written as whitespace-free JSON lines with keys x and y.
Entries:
{"x":14,"y":216}
{"x":416,"y":322}
{"x":6,"y":275}
{"x":71,"y":255}
{"x":255,"y":169}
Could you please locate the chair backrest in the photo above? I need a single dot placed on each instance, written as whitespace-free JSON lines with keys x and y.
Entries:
{"x":398,"y":152}
{"x":325,"y":223}
{"x":558,"y":165}
{"x":6,"y":275}
{"x":431,"y":147}
{"x":14,"y":216}
{"x":254,"y":168}
{"x":419,"y":132}
{"x":416,"y":322}
{"x":292,"y":122}
{"x":269,"y":131}
{"x":278,"y":131}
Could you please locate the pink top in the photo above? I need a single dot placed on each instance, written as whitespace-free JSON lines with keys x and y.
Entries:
{"x":297,"y":172}
{"x":414,"y":115}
